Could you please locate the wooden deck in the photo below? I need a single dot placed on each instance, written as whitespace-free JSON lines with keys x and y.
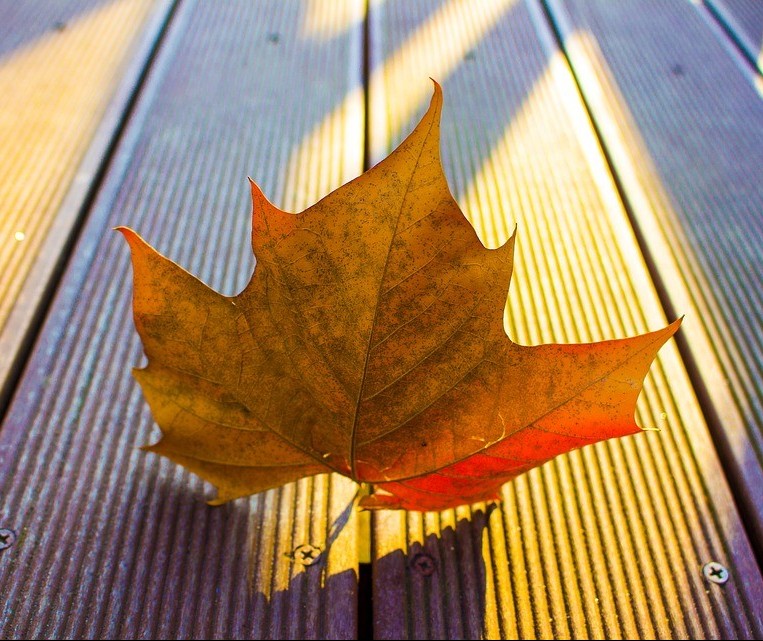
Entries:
{"x":625,"y":139}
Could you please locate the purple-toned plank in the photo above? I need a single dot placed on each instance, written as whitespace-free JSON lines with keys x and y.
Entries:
{"x":114,"y":543}
{"x":743,"y":21}
{"x":68,"y":71}
{"x":682,"y":120}
{"x":610,"y":541}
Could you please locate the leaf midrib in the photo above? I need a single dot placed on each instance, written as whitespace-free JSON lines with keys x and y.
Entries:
{"x":358,"y":401}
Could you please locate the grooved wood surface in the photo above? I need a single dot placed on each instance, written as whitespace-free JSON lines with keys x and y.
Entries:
{"x":112,"y":542}
{"x":63,"y":71}
{"x":744,"y":21}
{"x":608,"y":541}
{"x":683,"y":125}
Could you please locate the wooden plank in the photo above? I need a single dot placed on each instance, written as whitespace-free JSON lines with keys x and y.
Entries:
{"x":67,"y":73}
{"x":111,"y":542}
{"x":743,"y":20}
{"x":609,"y":541}
{"x":682,"y":122}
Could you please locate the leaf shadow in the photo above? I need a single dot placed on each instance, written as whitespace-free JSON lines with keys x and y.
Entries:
{"x":435,"y":589}
{"x":302,"y":584}
{"x":318,"y":556}
{"x":303,"y":609}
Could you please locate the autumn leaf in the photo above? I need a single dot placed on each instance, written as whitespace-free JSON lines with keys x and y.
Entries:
{"x":370,"y":342}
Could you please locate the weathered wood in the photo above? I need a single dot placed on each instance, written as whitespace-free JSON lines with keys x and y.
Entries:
{"x":67,"y":73}
{"x":606,"y":542}
{"x":682,"y":122}
{"x":609,"y":541}
{"x":112,"y":542}
{"x":743,"y":20}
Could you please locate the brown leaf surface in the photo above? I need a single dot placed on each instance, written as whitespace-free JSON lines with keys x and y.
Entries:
{"x":370,"y":342}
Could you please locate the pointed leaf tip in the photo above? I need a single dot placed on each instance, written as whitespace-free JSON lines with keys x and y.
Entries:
{"x":257,"y":193}
{"x":267,"y":219}
{"x":125,"y":231}
{"x":435,"y":104}
{"x":133,"y":238}
{"x":509,"y":243}
{"x":676,"y":324}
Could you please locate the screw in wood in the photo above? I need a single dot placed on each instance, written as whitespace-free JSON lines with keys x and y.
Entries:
{"x":715,"y":572}
{"x":306,"y":554}
{"x":7,"y":538}
{"x":423,"y":564}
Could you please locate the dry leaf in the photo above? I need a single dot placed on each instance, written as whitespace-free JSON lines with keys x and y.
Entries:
{"x":370,"y":342}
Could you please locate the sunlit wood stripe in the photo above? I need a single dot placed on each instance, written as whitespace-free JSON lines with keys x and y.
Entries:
{"x":683,"y":125}
{"x":116,"y":543}
{"x":608,"y":541}
{"x":66,"y":75}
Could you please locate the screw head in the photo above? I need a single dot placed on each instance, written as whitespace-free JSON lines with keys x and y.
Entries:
{"x":715,"y":572}
{"x":7,"y":538}
{"x":306,"y":554}
{"x":424,"y":564}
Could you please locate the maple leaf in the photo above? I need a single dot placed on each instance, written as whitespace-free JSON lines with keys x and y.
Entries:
{"x":370,"y":342}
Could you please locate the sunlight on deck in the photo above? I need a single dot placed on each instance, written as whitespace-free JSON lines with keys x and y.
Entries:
{"x":647,"y":194}
{"x":423,"y":55}
{"x":327,"y":525}
{"x":492,"y":201}
{"x":579,"y":276}
{"x":408,"y":67}
{"x":54,"y":91}
{"x":326,"y":20}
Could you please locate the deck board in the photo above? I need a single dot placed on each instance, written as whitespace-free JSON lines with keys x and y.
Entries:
{"x":608,"y":541}
{"x":683,"y":125}
{"x":743,"y":19}
{"x":605,"y":542}
{"x":115,"y":543}
{"x":67,"y":73}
